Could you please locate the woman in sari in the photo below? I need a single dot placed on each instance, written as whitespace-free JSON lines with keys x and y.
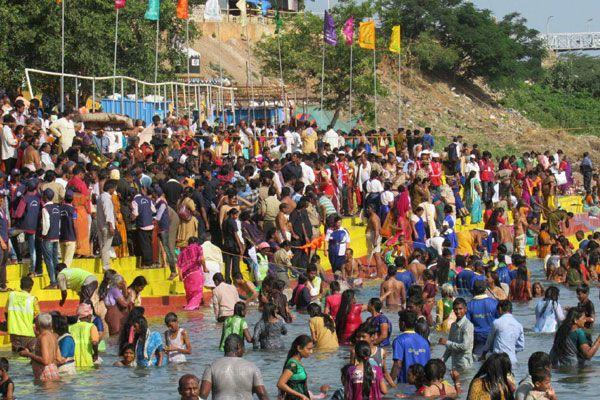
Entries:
{"x":188,"y":223}
{"x":148,"y":345}
{"x":191,"y":272}
{"x":121,"y":250}
{"x":82,"y":204}
{"x":474,"y":197}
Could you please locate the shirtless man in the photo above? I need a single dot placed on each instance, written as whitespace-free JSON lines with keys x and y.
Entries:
{"x":521,"y":225}
{"x":373,"y":238}
{"x":46,"y":358}
{"x":392,"y":291}
{"x":283,"y":232}
{"x":505,"y":237}
{"x":417,"y":267}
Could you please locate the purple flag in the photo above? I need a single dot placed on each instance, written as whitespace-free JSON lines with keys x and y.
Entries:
{"x":329,"y":34}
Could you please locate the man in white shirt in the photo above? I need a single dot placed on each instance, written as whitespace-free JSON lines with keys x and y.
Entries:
{"x":331,"y":137}
{"x":472,"y":165}
{"x":64,"y":129}
{"x":308,"y":174}
{"x":105,"y":215}
{"x":9,"y":143}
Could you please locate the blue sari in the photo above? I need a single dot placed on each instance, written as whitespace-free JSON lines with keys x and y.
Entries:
{"x":147,"y":355}
{"x":475,"y":202}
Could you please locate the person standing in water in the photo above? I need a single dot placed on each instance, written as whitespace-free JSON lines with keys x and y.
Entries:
{"x":231,"y":376}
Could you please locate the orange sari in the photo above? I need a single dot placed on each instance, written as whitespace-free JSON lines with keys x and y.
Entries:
{"x":122,"y":250}
{"x":82,"y":225}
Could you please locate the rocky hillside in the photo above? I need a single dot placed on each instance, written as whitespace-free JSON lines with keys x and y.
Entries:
{"x":450,"y":108}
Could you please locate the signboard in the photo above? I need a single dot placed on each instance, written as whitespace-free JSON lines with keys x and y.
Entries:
{"x":194,"y":62}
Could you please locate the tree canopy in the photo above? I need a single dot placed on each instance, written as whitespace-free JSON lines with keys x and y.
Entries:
{"x":301,"y":55}
{"x":32,"y":39}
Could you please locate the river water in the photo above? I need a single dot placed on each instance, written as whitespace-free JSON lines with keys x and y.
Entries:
{"x":108,"y":382}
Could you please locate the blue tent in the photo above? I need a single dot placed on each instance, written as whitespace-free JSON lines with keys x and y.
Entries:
{"x":323,"y":118}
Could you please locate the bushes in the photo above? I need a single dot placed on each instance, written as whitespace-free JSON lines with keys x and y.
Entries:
{"x":434,"y":57}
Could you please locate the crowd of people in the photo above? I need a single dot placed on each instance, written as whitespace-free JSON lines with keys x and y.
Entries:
{"x":250,"y":212}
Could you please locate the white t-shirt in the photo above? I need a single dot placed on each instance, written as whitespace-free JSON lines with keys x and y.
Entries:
{"x":374,"y":186}
{"x":387,"y":198}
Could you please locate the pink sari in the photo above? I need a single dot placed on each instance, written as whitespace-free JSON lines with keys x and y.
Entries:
{"x":190,"y":265}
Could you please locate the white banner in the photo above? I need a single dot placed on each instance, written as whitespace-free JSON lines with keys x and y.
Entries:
{"x":212,"y":11}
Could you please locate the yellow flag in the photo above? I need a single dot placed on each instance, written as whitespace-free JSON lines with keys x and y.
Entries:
{"x":366,"y":35}
{"x":395,"y":43}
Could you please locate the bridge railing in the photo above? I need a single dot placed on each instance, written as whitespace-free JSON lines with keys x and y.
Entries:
{"x":572,"y":41}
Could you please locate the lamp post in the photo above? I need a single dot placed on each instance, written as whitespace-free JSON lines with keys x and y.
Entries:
{"x":589,"y":24}
{"x":548,"y":25}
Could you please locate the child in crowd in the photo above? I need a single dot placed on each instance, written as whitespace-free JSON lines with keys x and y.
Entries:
{"x":415,"y":375}
{"x":7,"y":387}
{"x":127,"y":357}
{"x":353,"y":270}
{"x":177,"y":340}
{"x":236,"y":324}
{"x":542,"y":387}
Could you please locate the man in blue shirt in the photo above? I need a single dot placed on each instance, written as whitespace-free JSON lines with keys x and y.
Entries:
{"x":482,"y":312}
{"x":478,"y":274}
{"x":403,"y":275}
{"x":507,"y":333}
{"x":463,"y":281}
{"x":428,"y":139}
{"x":409,"y":348}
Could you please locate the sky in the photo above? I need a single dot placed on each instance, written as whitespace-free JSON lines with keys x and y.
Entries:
{"x":568,"y":16}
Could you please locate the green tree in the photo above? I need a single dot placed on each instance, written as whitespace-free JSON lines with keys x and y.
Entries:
{"x":32,"y":32}
{"x":301,"y":44}
{"x":504,"y":53}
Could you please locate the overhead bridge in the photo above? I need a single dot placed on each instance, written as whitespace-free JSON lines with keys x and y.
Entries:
{"x":582,"y":41}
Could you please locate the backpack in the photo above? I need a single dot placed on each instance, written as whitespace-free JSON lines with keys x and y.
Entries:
{"x":452,"y":153}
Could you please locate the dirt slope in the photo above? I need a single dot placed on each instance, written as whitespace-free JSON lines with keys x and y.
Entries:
{"x":448,"y":107}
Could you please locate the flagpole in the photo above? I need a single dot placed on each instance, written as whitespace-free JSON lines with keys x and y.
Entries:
{"x":283,"y":102}
{"x":156,"y":53}
{"x":62,"y":58}
{"x":351,"y":47}
{"x":375,"y":82}
{"x":187,"y":45}
{"x":223,"y":115}
{"x":399,"y":90}
{"x":115,"y":56}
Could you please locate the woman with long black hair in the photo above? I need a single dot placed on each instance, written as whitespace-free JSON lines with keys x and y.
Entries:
{"x":571,"y":345}
{"x":269,"y":329}
{"x":548,"y":312}
{"x":148,"y":345}
{"x":520,"y":287}
{"x":364,"y":380}
{"x":348,"y":318}
{"x":491,"y":381}
{"x":322,"y":328}
{"x":293,"y":382}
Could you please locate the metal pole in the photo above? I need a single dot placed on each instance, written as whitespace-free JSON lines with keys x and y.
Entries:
{"x":351,"y":72}
{"x":115,"y":56}
{"x":323,"y":75}
{"x":122,"y":97}
{"x":62,"y":58}
{"x":76,"y":94}
{"x":94,"y":94}
{"x":548,"y":26}
{"x":221,"y":76}
{"x":196,"y":90}
{"x":156,"y":54}
{"x":399,"y":90}
{"x":136,"y":100}
{"x":375,"y":83}
{"x":176,"y":96}
{"x":187,"y":44}
{"x":283,"y":102}
{"x":232,"y":105}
